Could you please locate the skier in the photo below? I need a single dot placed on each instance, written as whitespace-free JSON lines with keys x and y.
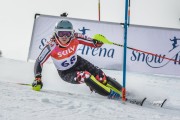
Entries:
{"x":71,"y":67}
{"x":174,"y":44}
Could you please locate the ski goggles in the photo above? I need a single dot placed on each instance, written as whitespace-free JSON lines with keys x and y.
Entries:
{"x":64,"y":33}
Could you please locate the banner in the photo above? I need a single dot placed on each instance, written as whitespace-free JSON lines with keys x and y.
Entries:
{"x":155,"y":50}
{"x":162,"y":47}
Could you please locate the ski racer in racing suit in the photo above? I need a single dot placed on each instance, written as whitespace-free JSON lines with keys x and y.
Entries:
{"x":71,"y":67}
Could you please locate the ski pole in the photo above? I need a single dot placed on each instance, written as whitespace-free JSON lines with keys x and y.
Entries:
{"x":103,"y":39}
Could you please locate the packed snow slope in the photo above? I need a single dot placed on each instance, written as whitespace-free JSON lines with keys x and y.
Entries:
{"x":59,"y":100}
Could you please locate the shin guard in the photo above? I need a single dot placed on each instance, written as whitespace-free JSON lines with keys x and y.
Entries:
{"x":97,"y":86}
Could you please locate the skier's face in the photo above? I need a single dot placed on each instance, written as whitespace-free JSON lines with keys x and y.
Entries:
{"x":64,"y":39}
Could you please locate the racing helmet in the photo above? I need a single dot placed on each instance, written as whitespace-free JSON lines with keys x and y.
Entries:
{"x":64,"y":28}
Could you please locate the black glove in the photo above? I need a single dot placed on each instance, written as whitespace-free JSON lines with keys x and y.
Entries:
{"x":97,"y":43}
{"x":37,"y":84}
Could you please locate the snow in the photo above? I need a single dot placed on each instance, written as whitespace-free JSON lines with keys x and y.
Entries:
{"x":59,"y":100}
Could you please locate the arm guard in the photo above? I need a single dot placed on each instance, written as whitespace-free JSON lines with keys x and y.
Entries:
{"x":44,"y":55}
{"x":85,"y":40}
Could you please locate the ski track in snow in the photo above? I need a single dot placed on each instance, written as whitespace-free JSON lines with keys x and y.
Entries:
{"x":19,"y":102}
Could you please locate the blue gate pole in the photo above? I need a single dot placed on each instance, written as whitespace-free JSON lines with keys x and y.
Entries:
{"x":124,"y":55}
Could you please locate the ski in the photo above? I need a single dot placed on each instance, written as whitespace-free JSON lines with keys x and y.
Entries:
{"x":136,"y":101}
{"x":157,"y":103}
{"x":145,"y":102}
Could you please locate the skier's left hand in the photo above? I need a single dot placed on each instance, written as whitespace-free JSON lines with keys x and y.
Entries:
{"x":97,"y":43}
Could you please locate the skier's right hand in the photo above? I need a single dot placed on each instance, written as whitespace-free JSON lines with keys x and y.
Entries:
{"x":37,"y":84}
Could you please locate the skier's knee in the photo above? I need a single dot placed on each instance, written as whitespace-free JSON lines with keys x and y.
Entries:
{"x":100,"y":76}
{"x":81,"y":76}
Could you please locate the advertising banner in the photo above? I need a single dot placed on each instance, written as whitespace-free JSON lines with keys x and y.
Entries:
{"x":161,"y":50}
{"x":150,"y":50}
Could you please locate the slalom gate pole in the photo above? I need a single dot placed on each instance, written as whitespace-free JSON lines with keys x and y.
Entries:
{"x":99,"y":10}
{"x":125,"y":49}
{"x":153,"y":54}
{"x":129,"y":12}
{"x":103,"y":39}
